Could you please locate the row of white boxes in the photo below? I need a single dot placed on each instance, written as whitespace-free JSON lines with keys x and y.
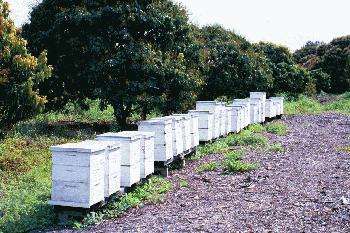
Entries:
{"x":87,"y":172}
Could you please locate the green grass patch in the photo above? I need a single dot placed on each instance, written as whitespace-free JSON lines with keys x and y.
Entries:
{"x":276,"y":128}
{"x":184,"y":184}
{"x":208,"y":167}
{"x":150,"y":192}
{"x":276,"y":148}
{"x":345,"y":148}
{"x":256,"y":128}
{"x":233,"y":163}
{"x":244,"y":138}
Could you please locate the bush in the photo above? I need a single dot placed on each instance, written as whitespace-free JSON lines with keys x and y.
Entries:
{"x":20,"y":74}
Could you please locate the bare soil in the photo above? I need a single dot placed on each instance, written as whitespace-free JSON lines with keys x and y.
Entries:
{"x":304,"y":189}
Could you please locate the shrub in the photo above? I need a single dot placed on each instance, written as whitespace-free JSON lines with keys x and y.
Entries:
{"x":233,"y":163}
{"x":20,"y":74}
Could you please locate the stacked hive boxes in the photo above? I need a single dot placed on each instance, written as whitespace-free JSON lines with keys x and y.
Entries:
{"x":255,"y":106}
{"x":186,"y":130}
{"x":270,"y":109}
{"x":278,"y":101}
{"x":178,"y":144}
{"x":246,"y":105}
{"x":130,"y":145}
{"x":194,"y":123}
{"x":215,"y":108}
{"x":229,"y":120}
{"x":163,"y":131}
{"x":262,"y":97}
{"x":84,"y":173}
{"x":205,"y":124}
{"x":223,"y":118}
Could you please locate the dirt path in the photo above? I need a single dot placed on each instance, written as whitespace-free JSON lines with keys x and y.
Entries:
{"x":305,"y":189}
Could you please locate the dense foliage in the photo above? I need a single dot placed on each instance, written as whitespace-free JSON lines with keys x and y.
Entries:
{"x":20,"y":74}
{"x":287,"y":75}
{"x":134,"y":55}
{"x":233,"y":67}
{"x":333,"y":59}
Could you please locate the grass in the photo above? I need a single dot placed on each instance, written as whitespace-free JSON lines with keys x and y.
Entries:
{"x":256,"y":128}
{"x":184,"y":184}
{"x":307,"y":105}
{"x":150,"y":192}
{"x":233,"y":163}
{"x":276,"y":128}
{"x":208,"y":167}
{"x":276,"y":148}
{"x":345,"y":148}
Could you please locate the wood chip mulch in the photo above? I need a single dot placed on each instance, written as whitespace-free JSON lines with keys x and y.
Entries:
{"x":304,"y":189}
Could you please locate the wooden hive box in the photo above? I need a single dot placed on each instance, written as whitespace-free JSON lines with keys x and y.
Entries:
{"x":186,"y":129}
{"x":262,"y":97}
{"x":254,"y":114}
{"x":229,"y":112}
{"x":270,"y":109}
{"x":178,"y":144}
{"x":130,"y":146}
{"x":235,"y":118}
{"x":246,"y":104}
{"x":79,"y":171}
{"x":147,"y":151}
{"x":194,"y":129}
{"x":259,"y":104}
{"x":163,"y":137}
{"x":205,"y":124}
{"x":215,"y":108}
{"x":280,"y":100}
{"x":223,"y":118}
{"x":241,"y":115}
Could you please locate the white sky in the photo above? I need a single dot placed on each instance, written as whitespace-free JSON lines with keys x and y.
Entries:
{"x":287,"y":22}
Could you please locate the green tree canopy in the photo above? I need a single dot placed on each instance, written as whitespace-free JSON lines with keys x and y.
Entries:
{"x":20,"y":74}
{"x":135,"y":55}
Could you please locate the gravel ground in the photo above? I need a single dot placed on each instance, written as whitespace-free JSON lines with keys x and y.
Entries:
{"x":304,"y":189}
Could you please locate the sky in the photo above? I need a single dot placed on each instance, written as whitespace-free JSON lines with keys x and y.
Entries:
{"x":288,"y":22}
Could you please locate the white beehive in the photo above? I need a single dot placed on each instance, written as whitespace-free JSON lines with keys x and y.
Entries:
{"x":270,"y":110}
{"x":235,"y":118}
{"x":262,"y":97}
{"x":176,"y":123}
{"x":194,"y":125}
{"x":259,"y":104}
{"x":229,"y":113}
{"x":241,"y":115}
{"x":147,"y":151}
{"x":246,"y":104}
{"x":223,"y":118}
{"x":277,"y":107}
{"x":280,"y":100}
{"x":205,"y":124}
{"x":254,"y":114}
{"x":163,"y":131}
{"x":78,"y":173}
{"x":130,"y":149}
{"x":186,"y":129}
{"x":215,"y":108}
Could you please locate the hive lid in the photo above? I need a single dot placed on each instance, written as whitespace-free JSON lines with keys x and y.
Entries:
{"x":184,"y":116}
{"x":88,"y":146}
{"x":156,"y":121}
{"x":245,"y":101}
{"x":200,"y":111}
{"x":140,"y":133}
{"x":124,"y":135}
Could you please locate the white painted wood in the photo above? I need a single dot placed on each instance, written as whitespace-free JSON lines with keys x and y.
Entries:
{"x":80,"y":172}
{"x":246,"y":103}
{"x":205,"y":124}
{"x":177,"y":138}
{"x":186,"y":129}
{"x":280,"y":100}
{"x":229,"y":115}
{"x":163,"y":130}
{"x":235,"y":116}
{"x":262,"y":97}
{"x":270,"y":109}
{"x":215,"y":108}
{"x":146,"y":151}
{"x":130,"y":145}
{"x":254,"y":114}
{"x":223,"y":118}
{"x":259,"y":104}
{"x":194,"y":129}
{"x":130,"y":175}
{"x":241,"y":115}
